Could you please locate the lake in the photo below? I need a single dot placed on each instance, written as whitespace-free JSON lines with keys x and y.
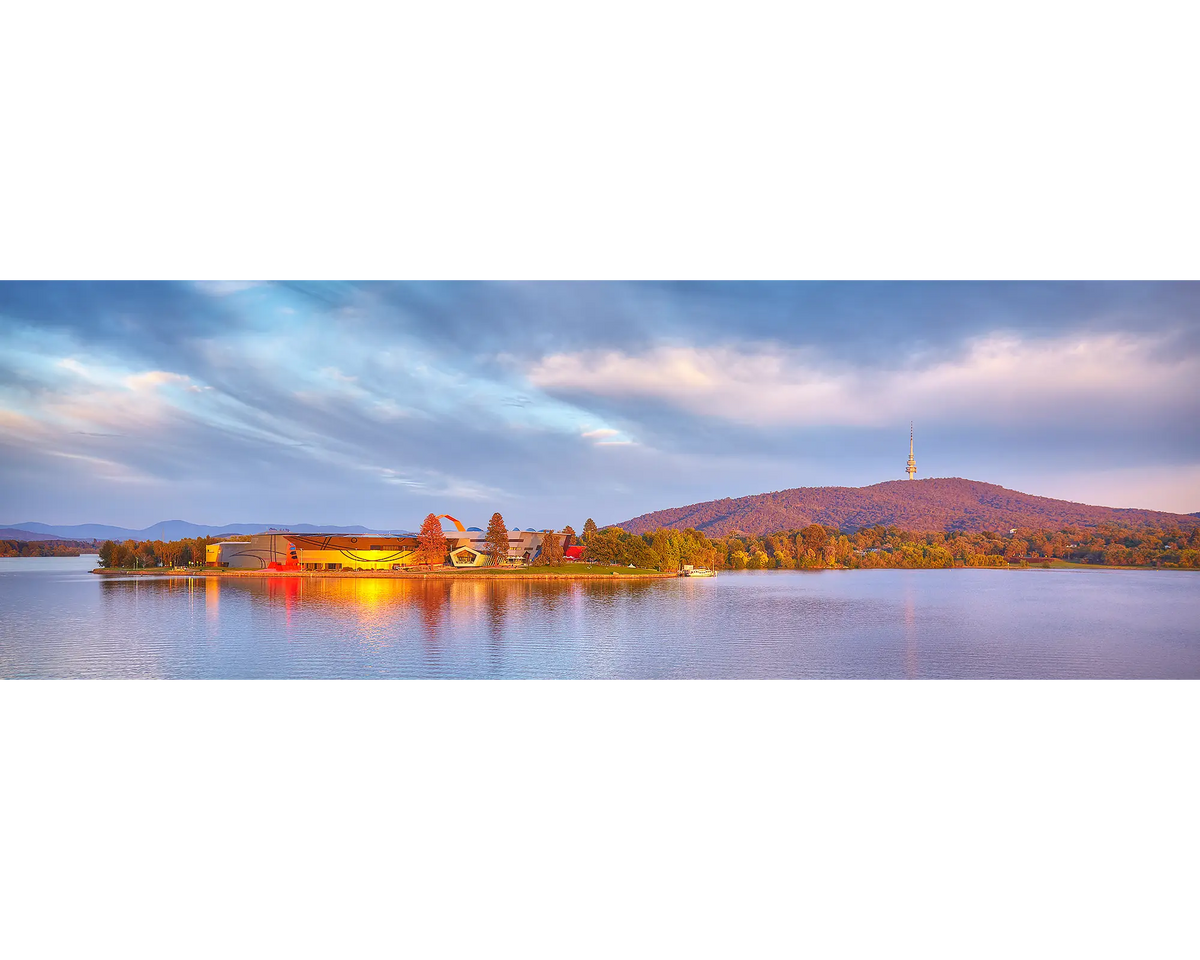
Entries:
{"x":59,"y":620}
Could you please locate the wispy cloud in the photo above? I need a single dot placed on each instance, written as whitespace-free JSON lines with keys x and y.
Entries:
{"x":1000,"y":378}
{"x":376,"y":402}
{"x":225,"y":288}
{"x":152,"y":379}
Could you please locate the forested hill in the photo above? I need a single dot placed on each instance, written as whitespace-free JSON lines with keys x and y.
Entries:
{"x":937,"y":504}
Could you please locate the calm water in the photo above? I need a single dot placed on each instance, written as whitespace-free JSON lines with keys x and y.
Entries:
{"x":58,"y":620}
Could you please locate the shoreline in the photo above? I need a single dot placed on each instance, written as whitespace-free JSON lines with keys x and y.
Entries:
{"x":605,"y":573}
{"x":527,"y":574}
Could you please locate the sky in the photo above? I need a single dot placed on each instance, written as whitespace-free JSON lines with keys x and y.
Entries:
{"x":378,"y":403}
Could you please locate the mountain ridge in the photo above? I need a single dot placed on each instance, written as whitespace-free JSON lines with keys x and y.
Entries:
{"x":164,"y":530}
{"x":941,"y":503}
{"x":29,"y":536}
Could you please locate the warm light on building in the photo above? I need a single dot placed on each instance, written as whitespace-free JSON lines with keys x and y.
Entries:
{"x":365,"y":551}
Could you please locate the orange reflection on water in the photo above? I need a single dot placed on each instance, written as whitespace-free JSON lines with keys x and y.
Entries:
{"x":381,"y":607}
{"x":212,"y":599}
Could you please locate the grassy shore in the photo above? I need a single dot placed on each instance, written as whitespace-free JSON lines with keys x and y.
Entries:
{"x":1072,"y":565}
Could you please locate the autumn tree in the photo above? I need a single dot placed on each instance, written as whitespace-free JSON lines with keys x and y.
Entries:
{"x":431,"y":542}
{"x":640,"y":554}
{"x":497,"y":539}
{"x":569,"y":535}
{"x":170,"y":552}
{"x":603,"y":547}
{"x":552,"y":549}
{"x":589,"y":528}
{"x":814,"y":537}
{"x":1016,"y":549}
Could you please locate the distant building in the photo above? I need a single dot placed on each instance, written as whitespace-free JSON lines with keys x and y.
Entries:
{"x":912,"y":463}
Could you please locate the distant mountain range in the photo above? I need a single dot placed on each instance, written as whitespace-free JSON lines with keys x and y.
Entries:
{"x":165,"y":530}
{"x":936,"y":504}
{"x":12,"y":533}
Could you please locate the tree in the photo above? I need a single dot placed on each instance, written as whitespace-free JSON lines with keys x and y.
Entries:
{"x":431,"y":542}
{"x":552,"y":549}
{"x":170,"y":552}
{"x":569,"y":534}
{"x":589,"y":529}
{"x":497,"y":539}
{"x":640,"y":554}
{"x":108,"y":550}
{"x":814,"y":537}
{"x":603,"y":547}
{"x":123,"y":556}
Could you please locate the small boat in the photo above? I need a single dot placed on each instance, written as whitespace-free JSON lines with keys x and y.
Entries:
{"x":687,"y":570}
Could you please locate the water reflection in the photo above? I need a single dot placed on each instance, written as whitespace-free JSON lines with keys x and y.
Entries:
{"x":886,"y":623}
{"x":212,"y":597}
{"x":910,"y":633}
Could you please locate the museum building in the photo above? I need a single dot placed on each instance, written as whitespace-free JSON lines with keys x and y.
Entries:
{"x":283,"y":550}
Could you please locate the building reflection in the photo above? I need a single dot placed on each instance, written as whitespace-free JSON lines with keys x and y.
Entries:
{"x":212,"y":600}
{"x":388,"y":611}
{"x":431,"y":601}
{"x":496,"y":601}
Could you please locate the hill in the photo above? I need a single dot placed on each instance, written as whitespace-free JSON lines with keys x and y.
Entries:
{"x":26,"y":536}
{"x":164,"y":530}
{"x":168,"y":531}
{"x":937,"y":504}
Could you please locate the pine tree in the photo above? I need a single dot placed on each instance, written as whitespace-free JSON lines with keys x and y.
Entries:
{"x":569,"y":534}
{"x":497,"y":539}
{"x":431,"y":542}
{"x":589,"y":528}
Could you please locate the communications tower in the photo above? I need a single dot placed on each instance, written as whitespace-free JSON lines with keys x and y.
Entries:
{"x":912,"y":463}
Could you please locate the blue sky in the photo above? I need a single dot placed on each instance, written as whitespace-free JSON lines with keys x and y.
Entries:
{"x":376,"y":403}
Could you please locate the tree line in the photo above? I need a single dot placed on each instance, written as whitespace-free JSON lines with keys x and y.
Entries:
{"x":818,"y":547}
{"x":135,"y":554}
{"x":45,"y":548}
{"x":814,"y":547}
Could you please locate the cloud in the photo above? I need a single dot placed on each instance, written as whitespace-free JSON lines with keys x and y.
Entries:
{"x":688,"y":391}
{"x":997,"y":378}
{"x":152,"y":379}
{"x":225,"y":288}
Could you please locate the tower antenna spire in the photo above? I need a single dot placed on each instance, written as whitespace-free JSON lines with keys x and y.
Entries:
{"x":912,"y":463}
